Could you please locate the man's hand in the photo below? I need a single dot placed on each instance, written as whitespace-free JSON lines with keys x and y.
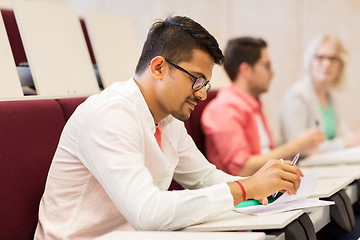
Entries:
{"x":272,"y":177}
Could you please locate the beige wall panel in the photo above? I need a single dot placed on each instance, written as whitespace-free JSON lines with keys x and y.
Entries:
{"x":342,"y":18}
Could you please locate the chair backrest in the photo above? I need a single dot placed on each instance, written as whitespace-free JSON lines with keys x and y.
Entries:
{"x":69,"y":105}
{"x":87,"y":39}
{"x":29,"y":134}
{"x":12,"y":30}
{"x":193,"y":125}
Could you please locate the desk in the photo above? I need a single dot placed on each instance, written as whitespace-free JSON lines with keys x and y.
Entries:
{"x":279,"y":224}
{"x":326,"y":187}
{"x":348,"y":170}
{"x":174,"y":235}
{"x":320,"y":216}
{"x":353,"y":192}
{"x":333,"y":189}
{"x":234,"y":221}
{"x":336,"y":171}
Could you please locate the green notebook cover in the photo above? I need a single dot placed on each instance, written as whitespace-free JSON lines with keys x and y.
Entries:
{"x":251,"y":202}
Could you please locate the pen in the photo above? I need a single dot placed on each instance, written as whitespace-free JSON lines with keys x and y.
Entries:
{"x":317,"y":123}
{"x":293,"y":162}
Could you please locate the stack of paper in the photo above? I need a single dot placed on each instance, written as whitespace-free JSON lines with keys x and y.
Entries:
{"x":289,"y":202}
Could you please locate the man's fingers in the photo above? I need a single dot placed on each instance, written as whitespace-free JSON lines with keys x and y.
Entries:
{"x":291,"y":181}
{"x":289,"y":187}
{"x":293,"y":169}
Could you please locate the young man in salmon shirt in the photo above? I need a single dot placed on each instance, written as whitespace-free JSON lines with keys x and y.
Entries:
{"x":237,"y":136}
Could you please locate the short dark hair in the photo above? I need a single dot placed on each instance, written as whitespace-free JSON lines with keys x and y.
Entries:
{"x":175,"y":38}
{"x":239,"y":50}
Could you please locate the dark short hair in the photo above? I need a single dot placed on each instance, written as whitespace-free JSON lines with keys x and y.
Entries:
{"x":175,"y":38}
{"x":239,"y":50}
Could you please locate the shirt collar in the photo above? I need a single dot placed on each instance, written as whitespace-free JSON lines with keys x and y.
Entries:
{"x":143,"y":107}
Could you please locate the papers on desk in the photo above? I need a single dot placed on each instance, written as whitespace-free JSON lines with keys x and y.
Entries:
{"x":289,"y":202}
{"x":348,"y":155}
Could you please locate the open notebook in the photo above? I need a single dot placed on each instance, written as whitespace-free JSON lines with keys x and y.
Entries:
{"x":288,"y":202}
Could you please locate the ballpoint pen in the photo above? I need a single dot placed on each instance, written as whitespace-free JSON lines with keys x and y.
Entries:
{"x":293,"y":162}
{"x":317,"y":124}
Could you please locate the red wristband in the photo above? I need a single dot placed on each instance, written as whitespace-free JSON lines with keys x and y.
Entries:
{"x":242,"y":189}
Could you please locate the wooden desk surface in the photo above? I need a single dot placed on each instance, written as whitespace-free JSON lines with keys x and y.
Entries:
{"x":175,"y":235}
{"x":348,"y":170}
{"x":233,"y":221}
{"x":328,"y":186}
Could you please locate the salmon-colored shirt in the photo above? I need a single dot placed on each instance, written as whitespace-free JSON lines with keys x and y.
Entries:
{"x":229,"y":123}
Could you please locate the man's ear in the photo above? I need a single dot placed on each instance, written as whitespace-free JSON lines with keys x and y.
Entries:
{"x":157,"y":67}
{"x":245,"y":69}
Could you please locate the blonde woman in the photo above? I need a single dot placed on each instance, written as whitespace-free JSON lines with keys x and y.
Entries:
{"x":311,"y":102}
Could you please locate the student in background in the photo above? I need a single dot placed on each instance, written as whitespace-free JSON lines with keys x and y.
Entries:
{"x":311,"y":102}
{"x":238,"y":138}
{"x":121,"y":148}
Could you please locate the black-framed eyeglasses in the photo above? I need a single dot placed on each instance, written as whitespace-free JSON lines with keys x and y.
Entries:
{"x":199,"y":82}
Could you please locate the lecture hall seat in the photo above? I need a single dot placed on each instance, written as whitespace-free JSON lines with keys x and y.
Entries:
{"x":29,"y":134}
{"x":193,"y":125}
{"x":68,"y":105}
{"x":13,"y":33}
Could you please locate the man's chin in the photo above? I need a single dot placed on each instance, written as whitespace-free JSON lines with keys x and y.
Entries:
{"x":182,"y":117}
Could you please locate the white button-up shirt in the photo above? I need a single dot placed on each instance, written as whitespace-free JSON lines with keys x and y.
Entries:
{"x":108,"y":172}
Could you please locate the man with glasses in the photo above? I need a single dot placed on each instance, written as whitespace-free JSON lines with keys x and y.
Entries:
{"x":238,"y":138}
{"x":121,"y":148}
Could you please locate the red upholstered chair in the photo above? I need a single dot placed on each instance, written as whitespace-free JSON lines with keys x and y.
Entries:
{"x":14,"y":36}
{"x":29,"y":134}
{"x":193,"y":125}
{"x":87,"y":39}
{"x":69,"y":105}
